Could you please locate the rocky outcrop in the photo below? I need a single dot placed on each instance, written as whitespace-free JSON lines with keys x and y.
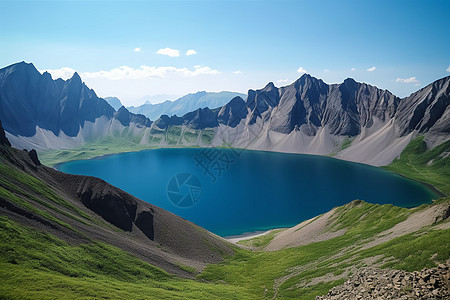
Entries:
{"x":165,"y":121}
{"x":372,"y":283}
{"x":233,"y":112}
{"x":427,"y":111}
{"x":199,"y":119}
{"x":3,"y":139}
{"x":125,"y":118}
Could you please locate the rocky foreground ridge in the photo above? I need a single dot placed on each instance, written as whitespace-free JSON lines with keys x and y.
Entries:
{"x":374,"y":283}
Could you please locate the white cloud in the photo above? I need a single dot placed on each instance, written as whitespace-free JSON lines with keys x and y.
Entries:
{"x":125,"y":72}
{"x":353,"y":69}
{"x":448,"y":69}
{"x":371,"y":69}
{"x":301,"y":70}
{"x":191,"y":52}
{"x":169,"y":52}
{"x":407,"y":80}
{"x":237,"y":72}
{"x":137,"y":49}
{"x":64,"y":73}
{"x":326,"y":70}
{"x":282,"y":81}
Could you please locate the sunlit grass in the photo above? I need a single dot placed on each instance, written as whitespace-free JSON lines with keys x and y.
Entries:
{"x":430,"y":166}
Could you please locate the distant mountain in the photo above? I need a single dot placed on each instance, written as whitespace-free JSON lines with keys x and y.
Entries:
{"x":114,"y":102}
{"x":39,"y":112}
{"x":184,"y":104}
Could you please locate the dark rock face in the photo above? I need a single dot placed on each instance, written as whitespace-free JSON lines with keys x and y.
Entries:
{"x":115,"y":208}
{"x":260,"y":101}
{"x":201,"y":118}
{"x":165,"y":121}
{"x":125,"y":118}
{"x":427,"y":109}
{"x":3,"y":139}
{"x":233,"y":112}
{"x":29,"y":99}
{"x":34,"y":157}
{"x":144,"y":222}
{"x":301,"y":103}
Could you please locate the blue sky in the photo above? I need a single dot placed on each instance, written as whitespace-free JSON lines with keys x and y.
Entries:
{"x":120,"y":47}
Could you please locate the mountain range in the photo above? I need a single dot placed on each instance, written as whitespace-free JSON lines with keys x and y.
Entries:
{"x":351,"y":120}
{"x":183,"y":105}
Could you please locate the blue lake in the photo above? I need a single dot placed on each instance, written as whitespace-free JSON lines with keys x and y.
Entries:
{"x":231,"y":192}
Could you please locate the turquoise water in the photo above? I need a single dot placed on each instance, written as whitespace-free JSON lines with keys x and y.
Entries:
{"x":244,"y":191}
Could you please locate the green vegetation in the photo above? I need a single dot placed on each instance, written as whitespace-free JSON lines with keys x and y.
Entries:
{"x":346,"y":143}
{"x":19,"y":188}
{"x":173,"y":135}
{"x":430,"y":166}
{"x":188,"y":269}
{"x":189,"y":136}
{"x":119,"y":144}
{"x":39,"y":266}
{"x":11,"y":178}
{"x":414,"y":251}
{"x":281,"y":271}
{"x":207,"y":136}
{"x":90,"y":150}
{"x":260,"y":241}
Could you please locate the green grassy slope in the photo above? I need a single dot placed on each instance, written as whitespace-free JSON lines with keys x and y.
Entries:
{"x":105,"y":146}
{"x":36,"y":265}
{"x":430,"y":166}
{"x":290,"y":273}
{"x":96,"y":270}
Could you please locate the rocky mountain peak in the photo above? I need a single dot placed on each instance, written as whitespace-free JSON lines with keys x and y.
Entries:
{"x":270,"y":86}
{"x":75,"y":78}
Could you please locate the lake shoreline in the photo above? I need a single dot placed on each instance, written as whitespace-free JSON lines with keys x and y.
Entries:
{"x":247,"y":235}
